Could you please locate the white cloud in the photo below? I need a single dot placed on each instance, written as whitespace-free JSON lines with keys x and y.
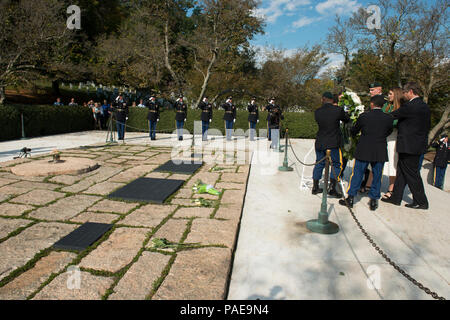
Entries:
{"x":332,"y":7}
{"x":304,"y":21}
{"x":278,"y":8}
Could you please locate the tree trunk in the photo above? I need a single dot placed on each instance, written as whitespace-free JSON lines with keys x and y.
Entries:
{"x":55,"y":88}
{"x":2,"y":95}
{"x":206,"y":79}
{"x":166,"y":58}
{"x":442,"y":124}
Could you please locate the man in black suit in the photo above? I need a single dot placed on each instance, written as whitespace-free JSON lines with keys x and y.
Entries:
{"x":375,"y":126}
{"x":414,"y":122}
{"x":329,"y":136}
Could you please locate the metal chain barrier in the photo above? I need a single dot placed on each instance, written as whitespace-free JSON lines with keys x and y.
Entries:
{"x":384,"y":255}
{"x":305,"y":164}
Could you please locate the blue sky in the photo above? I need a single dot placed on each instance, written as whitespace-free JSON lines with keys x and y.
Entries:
{"x":291,"y":24}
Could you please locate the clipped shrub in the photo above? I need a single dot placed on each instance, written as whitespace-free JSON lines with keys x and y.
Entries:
{"x":43,"y":120}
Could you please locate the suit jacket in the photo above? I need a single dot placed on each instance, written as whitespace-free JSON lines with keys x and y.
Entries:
{"x":253,"y":113}
{"x":375,"y":126}
{"x":207,"y":111}
{"x":414,"y":121}
{"x":328,"y":118}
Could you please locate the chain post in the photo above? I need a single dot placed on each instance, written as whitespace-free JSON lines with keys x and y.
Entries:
{"x":322,"y":224}
{"x":285,"y":166}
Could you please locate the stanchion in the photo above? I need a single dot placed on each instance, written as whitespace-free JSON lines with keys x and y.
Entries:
{"x":322,"y":225}
{"x":110,"y":133}
{"x":23,"y":128}
{"x":285,"y":166}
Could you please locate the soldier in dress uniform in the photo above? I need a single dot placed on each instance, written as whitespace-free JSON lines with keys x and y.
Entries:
{"x":440,"y":161}
{"x":268,"y":108}
{"x":121,"y":115}
{"x":206,"y":117}
{"x":180,"y":116}
{"x":375,"y":126}
{"x":229,"y":117}
{"x":276,"y":115}
{"x":253,"y":117}
{"x":153,"y":116}
{"x":329,"y":137}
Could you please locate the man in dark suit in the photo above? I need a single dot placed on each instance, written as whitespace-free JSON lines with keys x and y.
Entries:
{"x":414,"y":122}
{"x":375,"y":127}
{"x":329,"y":136}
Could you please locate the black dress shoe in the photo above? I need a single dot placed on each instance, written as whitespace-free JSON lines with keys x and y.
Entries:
{"x":390,"y":200}
{"x":373,"y":204}
{"x":417,"y":206}
{"x":347,"y":202}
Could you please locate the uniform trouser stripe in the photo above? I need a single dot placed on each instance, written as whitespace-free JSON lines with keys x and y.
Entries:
{"x":353,"y":171}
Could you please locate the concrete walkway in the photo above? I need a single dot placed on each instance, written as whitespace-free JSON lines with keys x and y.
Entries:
{"x":277,"y":257}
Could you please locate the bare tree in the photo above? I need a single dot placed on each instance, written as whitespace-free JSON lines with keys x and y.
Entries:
{"x":30,"y":34}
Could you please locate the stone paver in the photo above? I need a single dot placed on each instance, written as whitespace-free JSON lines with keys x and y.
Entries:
{"x":199,"y":274}
{"x":233,"y":196}
{"x":12,"y":191}
{"x":104,"y":188}
{"x":172,"y":230}
{"x":35,"y":185}
{"x":28,"y":282}
{"x":65,"y":209}
{"x":184,"y":193}
{"x":234,"y":177}
{"x":113,"y":206}
{"x":137,"y":283}
{"x":205,"y":177}
{"x":193,"y":212}
{"x":4,"y":182}
{"x":91,"y":287}
{"x":157,"y":175}
{"x":65,"y":179}
{"x":95,"y":217}
{"x":117,"y":251}
{"x":16,"y":251}
{"x":13,"y":210}
{"x":230,"y":185}
{"x":9,"y":225}
{"x":184,"y":202}
{"x":230,"y":213}
{"x":211,"y":231}
{"x":38,"y":197}
{"x":148,"y":216}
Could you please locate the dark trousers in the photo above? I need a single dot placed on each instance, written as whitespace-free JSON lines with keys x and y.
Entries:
{"x":336,"y":157}
{"x":252,"y":130}
{"x":408,"y":174}
{"x":120,"y":130}
{"x":180,"y":125}
{"x":152,"y":127}
{"x":358,"y":174}
{"x":205,"y":127}
{"x":269,"y":134}
{"x":438,"y":177}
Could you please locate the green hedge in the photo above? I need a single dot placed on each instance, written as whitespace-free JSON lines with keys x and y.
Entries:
{"x":43,"y":120}
{"x":301,"y":125}
{"x":48,"y":120}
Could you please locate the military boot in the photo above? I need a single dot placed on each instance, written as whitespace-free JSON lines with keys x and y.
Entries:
{"x":333,"y":192}
{"x":316,"y":189}
{"x":348,"y":201}
{"x":373,"y":204}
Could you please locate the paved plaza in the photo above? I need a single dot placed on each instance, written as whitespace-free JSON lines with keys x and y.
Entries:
{"x":250,"y":242}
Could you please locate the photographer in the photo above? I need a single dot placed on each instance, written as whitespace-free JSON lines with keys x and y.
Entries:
{"x":440,"y":161}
